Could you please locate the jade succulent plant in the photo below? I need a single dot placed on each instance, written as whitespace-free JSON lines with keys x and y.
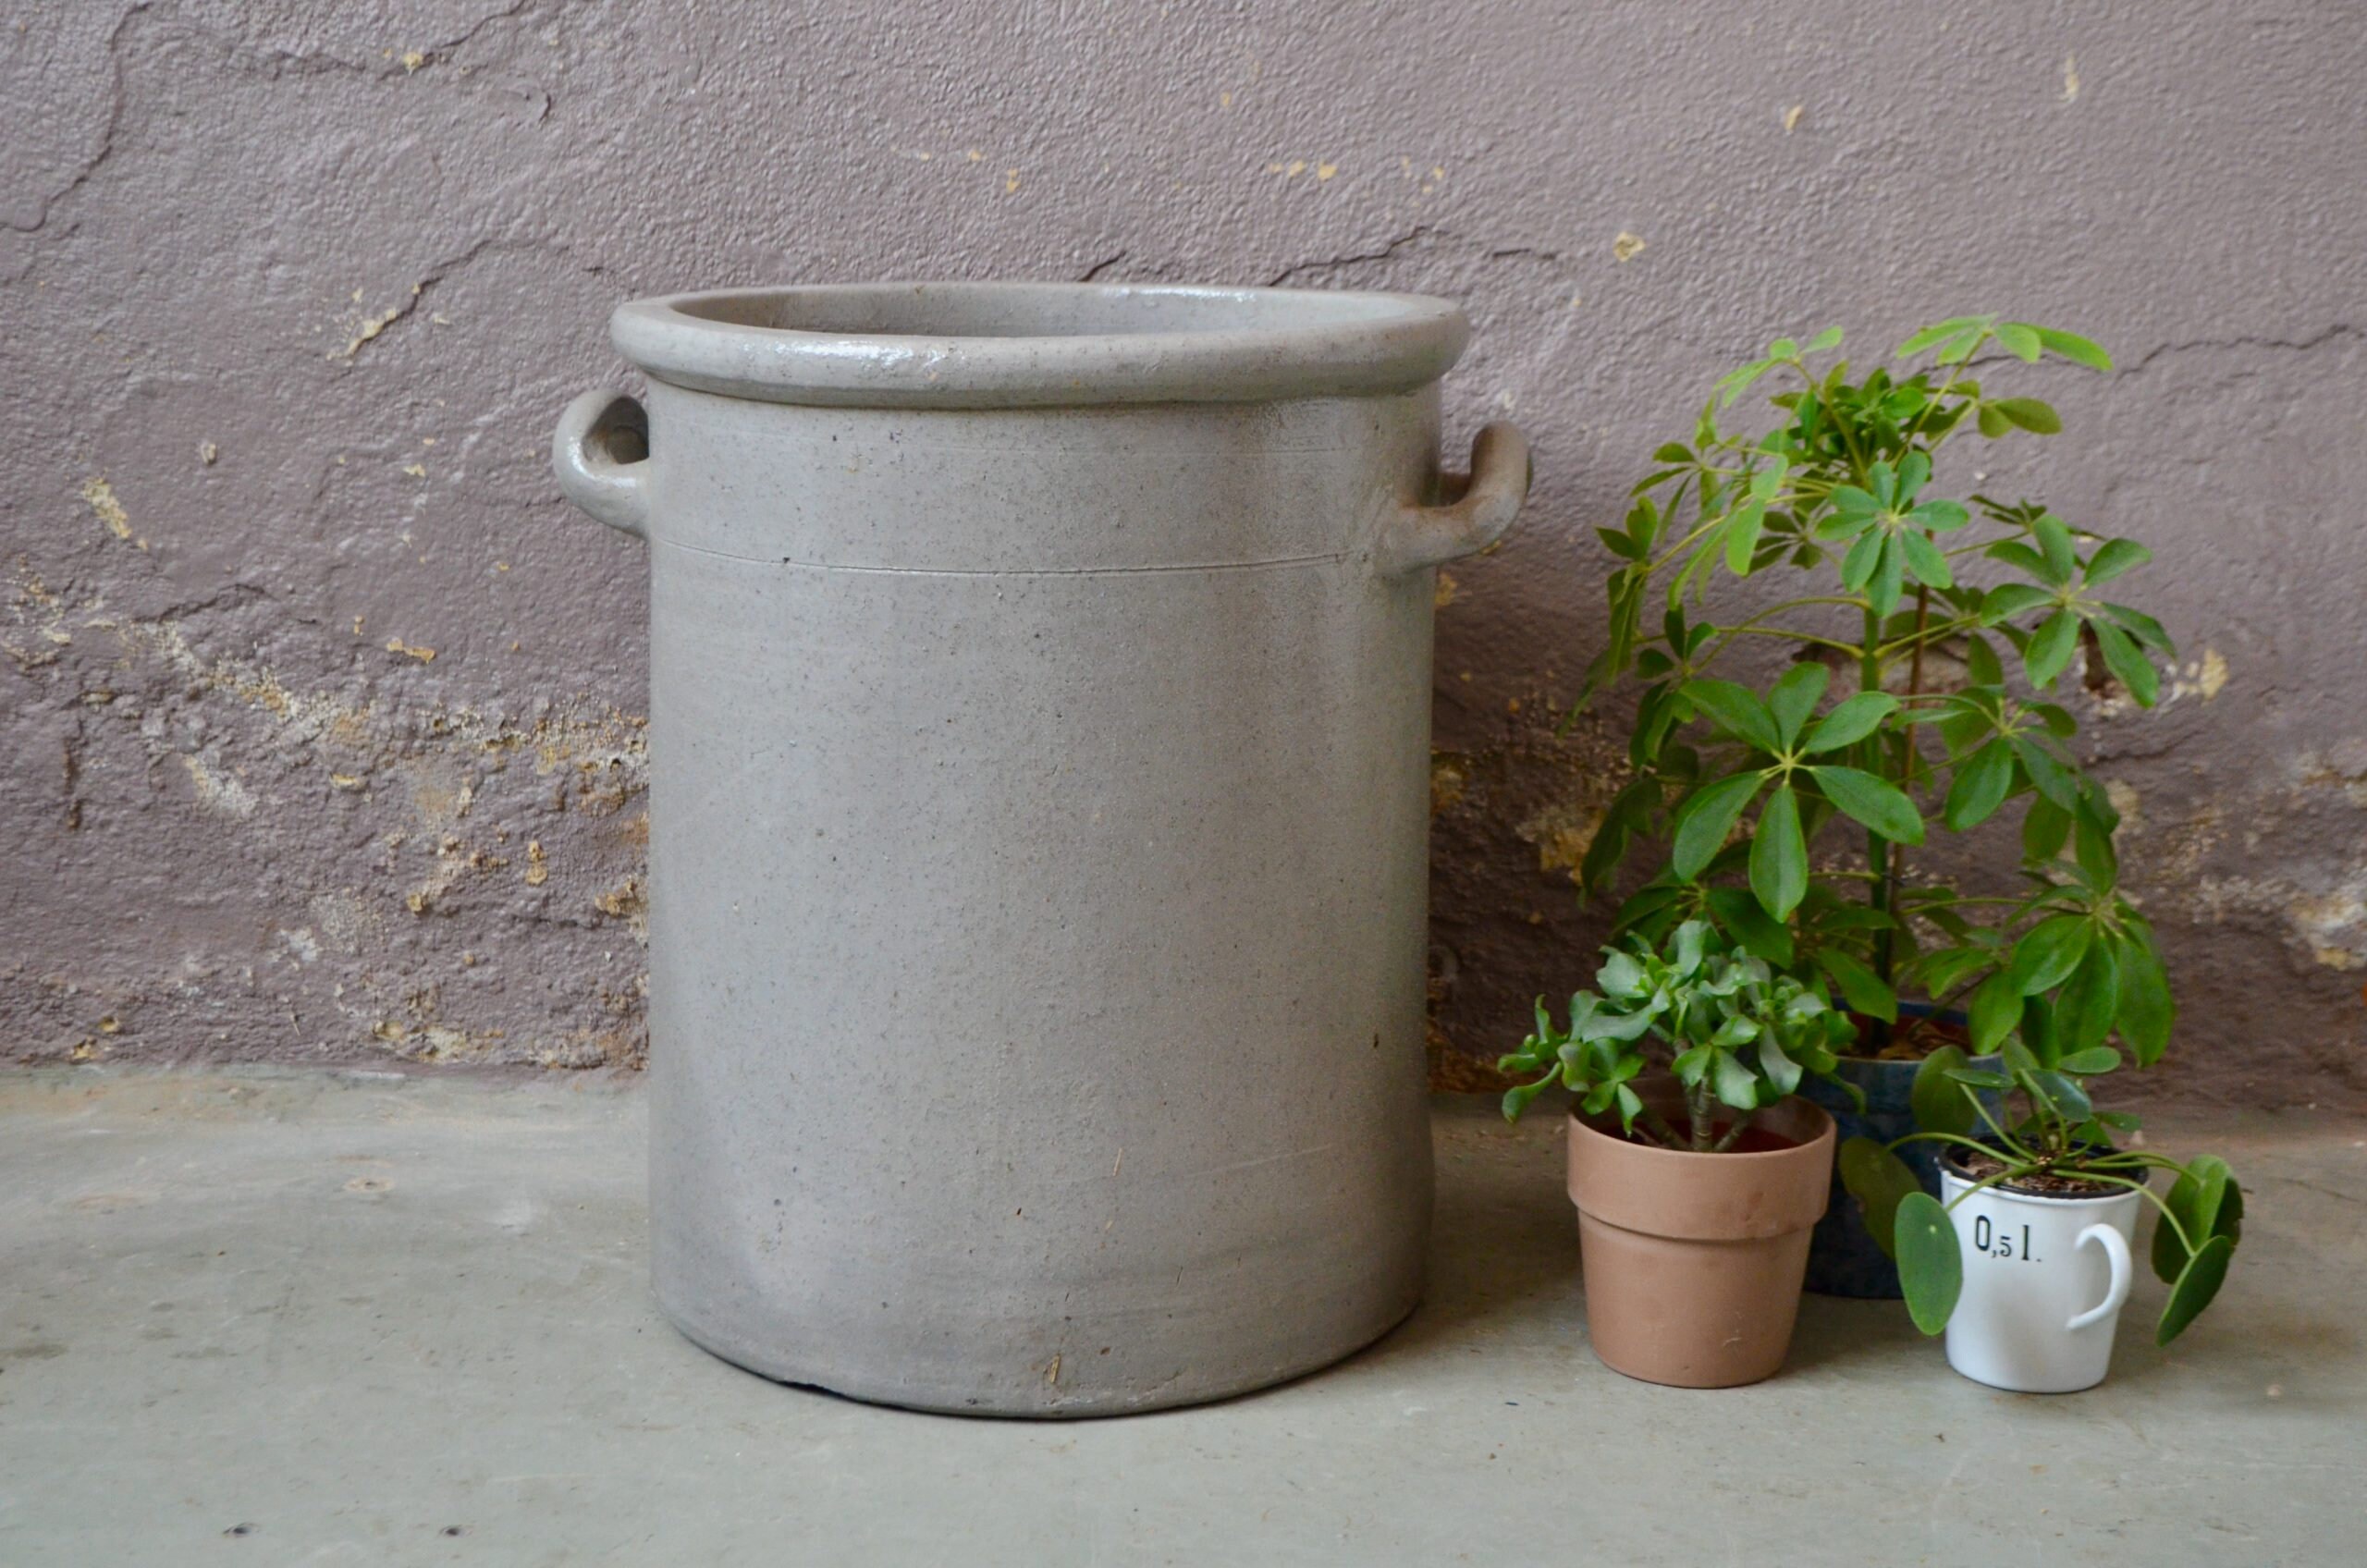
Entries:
{"x":1733,"y":1031}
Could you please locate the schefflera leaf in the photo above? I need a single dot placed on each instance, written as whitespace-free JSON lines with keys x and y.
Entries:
{"x":1706,"y":820}
{"x":1983,"y":780}
{"x":1779,"y":855}
{"x":1850,"y":721}
{"x":1939,"y":1103}
{"x":1876,"y":803}
{"x":2145,"y":1013}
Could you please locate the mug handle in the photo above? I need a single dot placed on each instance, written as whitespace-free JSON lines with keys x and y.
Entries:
{"x":2115,"y":1247}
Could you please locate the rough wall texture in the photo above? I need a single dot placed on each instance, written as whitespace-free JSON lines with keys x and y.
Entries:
{"x":318,"y":718}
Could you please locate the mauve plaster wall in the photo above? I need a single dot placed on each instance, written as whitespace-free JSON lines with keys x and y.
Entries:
{"x":319,"y":716}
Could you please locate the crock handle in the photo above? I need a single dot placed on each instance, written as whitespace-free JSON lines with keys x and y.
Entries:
{"x":1475,"y":511}
{"x":600,"y":452}
{"x":2116,"y":1253}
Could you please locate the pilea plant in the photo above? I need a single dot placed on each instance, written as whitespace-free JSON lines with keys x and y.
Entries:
{"x":2033,"y":1121}
{"x":1945,"y":713}
{"x":1733,"y":1032}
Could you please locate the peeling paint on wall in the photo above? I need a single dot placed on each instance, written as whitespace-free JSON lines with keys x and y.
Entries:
{"x":108,"y":510}
{"x":436,"y":786}
{"x":2210,"y":675}
{"x":2328,"y":924}
{"x":219,"y":793}
{"x":1563,"y":832}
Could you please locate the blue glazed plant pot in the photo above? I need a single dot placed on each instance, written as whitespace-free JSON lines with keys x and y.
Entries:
{"x":1843,"y":1258}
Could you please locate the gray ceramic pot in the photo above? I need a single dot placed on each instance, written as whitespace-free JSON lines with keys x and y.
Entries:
{"x":1040,"y":683}
{"x":1844,"y":1258}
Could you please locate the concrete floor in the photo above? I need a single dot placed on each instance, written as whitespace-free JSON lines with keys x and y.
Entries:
{"x":273,"y":1317}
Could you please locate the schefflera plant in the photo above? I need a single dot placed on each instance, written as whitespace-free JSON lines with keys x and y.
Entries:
{"x":1952,"y":717}
{"x":1730,"y":1029}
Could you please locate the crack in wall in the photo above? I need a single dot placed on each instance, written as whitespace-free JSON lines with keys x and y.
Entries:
{"x":369,"y":329}
{"x":1334,"y":263}
{"x":273,"y":62}
{"x":2293,"y":345}
{"x":394,"y":65}
{"x":82,"y":176}
{"x":1392,"y":248}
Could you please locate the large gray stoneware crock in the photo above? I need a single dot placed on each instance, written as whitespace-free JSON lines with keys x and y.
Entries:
{"x":1039,"y":710}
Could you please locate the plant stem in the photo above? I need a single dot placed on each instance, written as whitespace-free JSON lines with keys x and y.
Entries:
{"x":1879,"y":892}
{"x":1856,"y":600}
{"x":1697,"y":1109}
{"x":2005,"y":1141}
{"x":1728,"y":633}
{"x":2186,"y":1242}
{"x":1657,"y":1125}
{"x":1894,"y":866}
{"x":1955,"y":372}
{"x":1984,"y":1184}
{"x":1915,"y":663}
{"x":1945,"y":629}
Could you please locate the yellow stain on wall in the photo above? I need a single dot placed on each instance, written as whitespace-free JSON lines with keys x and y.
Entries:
{"x":366,"y":328}
{"x":1450,"y":776}
{"x":1562,"y":833}
{"x":2213,"y":674}
{"x":100,"y":495}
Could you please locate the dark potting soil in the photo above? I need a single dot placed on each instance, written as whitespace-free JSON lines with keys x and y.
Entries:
{"x":1912,"y":1040}
{"x":2046,"y":1183}
{"x":1754,"y":1140}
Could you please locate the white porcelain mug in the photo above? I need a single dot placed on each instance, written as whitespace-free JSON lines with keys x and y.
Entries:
{"x":2044,"y":1279}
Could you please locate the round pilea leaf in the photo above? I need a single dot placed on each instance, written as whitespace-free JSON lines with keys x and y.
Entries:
{"x":1880,"y":1181}
{"x":2206,"y":1202}
{"x":2197,"y":1284}
{"x":1931,"y":1266}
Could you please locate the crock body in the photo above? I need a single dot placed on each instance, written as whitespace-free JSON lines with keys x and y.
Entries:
{"x":1037,"y":814}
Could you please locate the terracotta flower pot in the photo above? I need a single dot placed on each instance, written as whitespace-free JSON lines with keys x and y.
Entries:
{"x":1693,"y":1261}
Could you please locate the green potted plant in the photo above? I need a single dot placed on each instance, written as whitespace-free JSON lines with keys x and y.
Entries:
{"x":2025,"y":1259}
{"x":1945,"y":716}
{"x":1695,"y":1169}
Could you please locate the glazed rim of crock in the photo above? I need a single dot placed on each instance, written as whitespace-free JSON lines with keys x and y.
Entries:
{"x":989,"y":345}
